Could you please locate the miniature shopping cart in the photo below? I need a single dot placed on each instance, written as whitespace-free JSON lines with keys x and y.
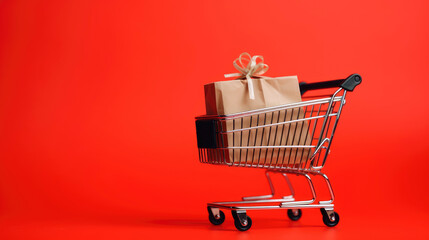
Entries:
{"x":265,"y":138}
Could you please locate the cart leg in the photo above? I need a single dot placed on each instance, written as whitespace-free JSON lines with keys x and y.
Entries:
{"x":331,"y":191}
{"x":270,"y":183}
{"x":292,"y":191}
{"x":305,"y":202}
{"x":330,"y":217}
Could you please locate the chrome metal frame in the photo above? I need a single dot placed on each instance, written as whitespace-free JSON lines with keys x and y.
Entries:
{"x":318,"y":147}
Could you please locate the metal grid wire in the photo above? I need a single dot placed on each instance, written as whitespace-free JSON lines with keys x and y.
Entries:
{"x":293,"y":137}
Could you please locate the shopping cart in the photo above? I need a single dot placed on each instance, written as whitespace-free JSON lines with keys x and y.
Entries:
{"x":233,"y":140}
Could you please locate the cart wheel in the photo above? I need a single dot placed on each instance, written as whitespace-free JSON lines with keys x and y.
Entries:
{"x":238,"y":224}
{"x":212,"y":218}
{"x":322,"y":211}
{"x":294,"y":214}
{"x":328,"y":221}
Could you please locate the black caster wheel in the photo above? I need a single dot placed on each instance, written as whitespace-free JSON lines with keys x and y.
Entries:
{"x":322,"y":211}
{"x":216,"y":221}
{"x":238,"y":224}
{"x":294,"y":214}
{"x":330,"y":221}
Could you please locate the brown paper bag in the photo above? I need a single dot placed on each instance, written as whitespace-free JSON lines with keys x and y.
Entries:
{"x":228,"y":97}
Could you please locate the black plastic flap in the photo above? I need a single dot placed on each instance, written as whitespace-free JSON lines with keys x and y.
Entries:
{"x":206,"y":133}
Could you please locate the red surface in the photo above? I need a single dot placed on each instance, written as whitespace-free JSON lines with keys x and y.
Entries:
{"x":97,"y":101}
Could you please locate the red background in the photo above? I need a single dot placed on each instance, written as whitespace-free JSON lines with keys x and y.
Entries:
{"x":98,"y":98}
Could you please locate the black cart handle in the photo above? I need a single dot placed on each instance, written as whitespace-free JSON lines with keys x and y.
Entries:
{"x":348,"y":84}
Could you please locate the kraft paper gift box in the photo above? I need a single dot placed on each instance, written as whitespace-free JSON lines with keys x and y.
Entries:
{"x":229,"y":97}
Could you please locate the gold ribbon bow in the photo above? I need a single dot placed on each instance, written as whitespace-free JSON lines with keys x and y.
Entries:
{"x":249,"y":67}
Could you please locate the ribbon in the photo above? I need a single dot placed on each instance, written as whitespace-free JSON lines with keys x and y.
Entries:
{"x":249,"y":67}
